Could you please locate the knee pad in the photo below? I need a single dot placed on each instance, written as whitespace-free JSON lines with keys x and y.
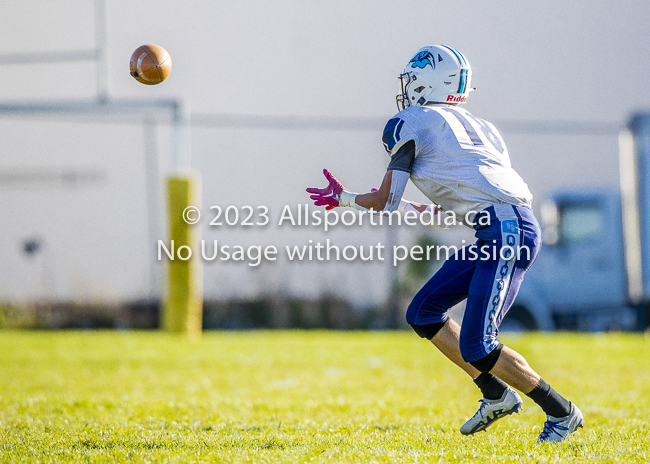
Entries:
{"x":429,"y":331}
{"x":486,"y":363}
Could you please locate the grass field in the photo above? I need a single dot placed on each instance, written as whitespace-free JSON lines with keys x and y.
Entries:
{"x":303,"y":396}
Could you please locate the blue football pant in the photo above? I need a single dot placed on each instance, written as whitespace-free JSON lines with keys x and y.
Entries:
{"x":488,"y":274}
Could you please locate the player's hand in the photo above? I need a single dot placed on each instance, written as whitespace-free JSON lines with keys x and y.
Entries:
{"x":422,"y":207}
{"x":328,"y":196}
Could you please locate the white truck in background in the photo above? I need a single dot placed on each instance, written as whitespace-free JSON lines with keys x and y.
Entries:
{"x":593,"y":272}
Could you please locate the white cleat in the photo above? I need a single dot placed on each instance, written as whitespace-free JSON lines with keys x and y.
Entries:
{"x":492,"y":410}
{"x":557,"y":429}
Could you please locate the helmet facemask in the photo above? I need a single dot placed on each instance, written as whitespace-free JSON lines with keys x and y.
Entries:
{"x":402,"y":99}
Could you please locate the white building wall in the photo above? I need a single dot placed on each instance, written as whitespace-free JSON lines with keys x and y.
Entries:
{"x":554,"y":61}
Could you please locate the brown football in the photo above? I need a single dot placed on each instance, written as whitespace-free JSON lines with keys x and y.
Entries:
{"x":150,"y":64}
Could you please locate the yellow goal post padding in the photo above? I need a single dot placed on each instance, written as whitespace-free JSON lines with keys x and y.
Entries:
{"x":183,"y":302}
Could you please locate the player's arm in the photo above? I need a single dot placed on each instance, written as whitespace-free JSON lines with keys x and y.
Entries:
{"x":335,"y":195}
{"x":413,"y":209}
{"x":400,"y":143}
{"x":378,"y":198}
{"x":389,"y":194}
{"x":431,"y":214}
{"x":386,"y":198}
{"x":402,"y":156}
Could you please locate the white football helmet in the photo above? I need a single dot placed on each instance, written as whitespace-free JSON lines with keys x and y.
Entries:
{"x":436,"y":73}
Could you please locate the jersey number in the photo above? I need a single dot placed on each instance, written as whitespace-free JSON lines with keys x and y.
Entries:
{"x":485,"y":128}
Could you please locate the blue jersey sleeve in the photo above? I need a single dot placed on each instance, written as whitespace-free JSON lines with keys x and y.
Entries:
{"x":396,"y":133}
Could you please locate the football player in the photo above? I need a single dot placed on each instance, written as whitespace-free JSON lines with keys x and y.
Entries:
{"x":460,"y":162}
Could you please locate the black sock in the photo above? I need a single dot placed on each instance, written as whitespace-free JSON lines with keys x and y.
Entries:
{"x":551,"y":402}
{"x":492,"y":387}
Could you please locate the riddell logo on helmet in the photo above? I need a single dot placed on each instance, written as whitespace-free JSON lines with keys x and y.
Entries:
{"x":458,"y":99}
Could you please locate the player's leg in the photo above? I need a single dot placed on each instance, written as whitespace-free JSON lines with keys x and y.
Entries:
{"x":563,"y":417}
{"x":427,"y":314}
{"x":515,"y":370}
{"x":494,"y":286}
{"x":499,"y":400}
{"x":447,"y":341}
{"x":478,"y":342}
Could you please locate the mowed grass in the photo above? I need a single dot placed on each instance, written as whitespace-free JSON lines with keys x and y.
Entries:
{"x":303,"y":396}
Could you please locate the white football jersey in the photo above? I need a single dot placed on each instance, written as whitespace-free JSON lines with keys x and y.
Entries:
{"x":461,"y":162}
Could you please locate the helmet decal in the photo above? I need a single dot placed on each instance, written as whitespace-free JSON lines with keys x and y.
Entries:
{"x":422,"y":59}
{"x":463,"y":81}
{"x":459,"y":55}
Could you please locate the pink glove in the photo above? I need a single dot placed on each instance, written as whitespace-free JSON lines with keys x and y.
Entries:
{"x":328,"y":196}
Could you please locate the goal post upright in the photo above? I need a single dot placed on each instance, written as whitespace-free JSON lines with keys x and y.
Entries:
{"x":182,"y":310}
{"x":182,"y":298}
